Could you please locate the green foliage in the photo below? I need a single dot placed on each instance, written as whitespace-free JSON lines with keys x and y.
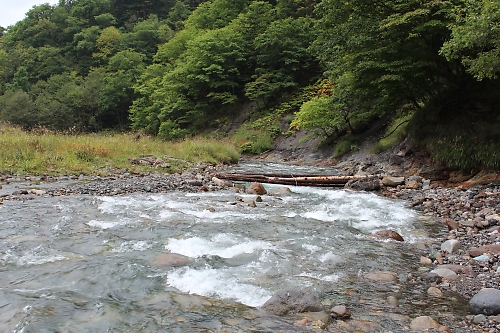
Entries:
{"x":475,"y":38}
{"x":463,"y":153}
{"x":215,"y":14}
{"x":386,"y":52}
{"x":20,"y":81}
{"x":319,"y":116}
{"x":253,"y":141}
{"x":394,"y":134}
{"x":16,"y":107}
{"x":170,"y":130}
{"x":346,"y":145}
{"x":283,"y":60}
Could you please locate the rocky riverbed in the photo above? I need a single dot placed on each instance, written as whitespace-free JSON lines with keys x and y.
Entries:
{"x":465,"y":261}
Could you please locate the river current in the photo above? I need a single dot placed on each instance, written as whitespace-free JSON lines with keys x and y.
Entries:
{"x":91,"y":263}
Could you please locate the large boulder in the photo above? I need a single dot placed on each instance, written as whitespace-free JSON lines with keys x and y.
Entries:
{"x":486,"y":302}
{"x":291,"y":301}
{"x":364,"y":184}
{"x":256,"y":188}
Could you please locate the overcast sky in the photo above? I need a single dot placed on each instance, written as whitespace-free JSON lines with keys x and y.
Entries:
{"x":12,"y":11}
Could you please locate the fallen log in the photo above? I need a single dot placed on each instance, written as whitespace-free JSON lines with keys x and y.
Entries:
{"x":297,"y":180}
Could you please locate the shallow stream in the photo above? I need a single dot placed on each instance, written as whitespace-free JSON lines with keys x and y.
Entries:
{"x":94,"y":264}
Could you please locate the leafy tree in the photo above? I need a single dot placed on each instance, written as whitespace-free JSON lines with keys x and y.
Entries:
{"x":17,"y":108}
{"x":117,"y":92}
{"x":48,"y":61}
{"x":105,"y":20}
{"x":205,"y":77}
{"x":20,"y":81}
{"x":475,"y":38}
{"x":107,"y":42}
{"x":85,"y":45}
{"x":283,"y":59}
{"x":147,"y":106}
{"x":386,"y":53}
{"x":215,"y":14}
{"x":172,"y":50}
{"x":144,"y":37}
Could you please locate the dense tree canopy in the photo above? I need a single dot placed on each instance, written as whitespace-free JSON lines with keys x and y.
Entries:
{"x":173,"y":67}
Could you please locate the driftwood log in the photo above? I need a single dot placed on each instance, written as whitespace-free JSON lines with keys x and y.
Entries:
{"x":297,"y":180}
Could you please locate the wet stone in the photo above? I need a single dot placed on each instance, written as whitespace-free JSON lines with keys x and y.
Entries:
{"x":287,"y":301}
{"x":388,"y":234}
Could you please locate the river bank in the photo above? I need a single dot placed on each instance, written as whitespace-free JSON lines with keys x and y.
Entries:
{"x":470,"y":211}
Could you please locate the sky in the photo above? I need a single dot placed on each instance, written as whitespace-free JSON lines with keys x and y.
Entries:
{"x":12,"y":11}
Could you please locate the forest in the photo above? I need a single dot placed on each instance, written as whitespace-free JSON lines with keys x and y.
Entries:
{"x":177,"y":68}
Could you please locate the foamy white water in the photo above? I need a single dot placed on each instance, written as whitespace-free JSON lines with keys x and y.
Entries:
{"x":97,"y":261}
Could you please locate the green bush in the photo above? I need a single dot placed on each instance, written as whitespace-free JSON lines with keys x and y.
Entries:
{"x":346,"y":145}
{"x":253,"y":141}
{"x":170,"y":130}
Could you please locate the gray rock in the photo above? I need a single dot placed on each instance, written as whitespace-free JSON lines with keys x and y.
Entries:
{"x":431,"y":277}
{"x":280,"y":190}
{"x":479,"y":319}
{"x":393,"y":181}
{"x":445,"y":273}
{"x":364,"y":184}
{"x":486,"y":302}
{"x":451,"y":246}
{"x":290,"y":301}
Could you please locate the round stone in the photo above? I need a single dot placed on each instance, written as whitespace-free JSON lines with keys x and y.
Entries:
{"x":486,"y":302}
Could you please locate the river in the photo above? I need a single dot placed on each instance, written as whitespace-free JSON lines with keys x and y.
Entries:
{"x":93,"y":263}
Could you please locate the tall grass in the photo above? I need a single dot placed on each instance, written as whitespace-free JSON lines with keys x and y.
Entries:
{"x":44,"y":152}
{"x":394,"y":134}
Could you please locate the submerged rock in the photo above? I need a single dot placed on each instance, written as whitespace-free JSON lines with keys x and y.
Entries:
{"x":382,"y":277}
{"x":445,"y":273}
{"x":172,"y":260}
{"x":431,"y":278}
{"x":290,"y":301}
{"x":388,"y":234}
{"x":280,"y":190}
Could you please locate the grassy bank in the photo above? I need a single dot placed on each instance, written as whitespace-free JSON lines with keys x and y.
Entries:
{"x":42,"y":152}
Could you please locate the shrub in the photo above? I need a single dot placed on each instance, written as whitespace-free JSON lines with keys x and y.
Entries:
{"x":170,"y":130}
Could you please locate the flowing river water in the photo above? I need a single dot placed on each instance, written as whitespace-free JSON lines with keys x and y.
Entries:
{"x":93,"y":263}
